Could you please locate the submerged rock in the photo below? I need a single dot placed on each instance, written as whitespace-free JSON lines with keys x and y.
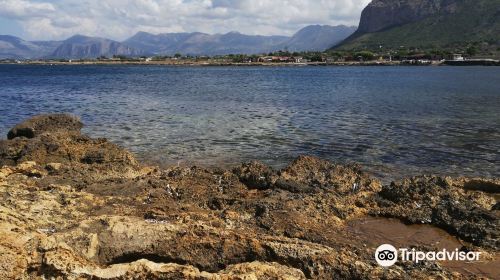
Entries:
{"x":56,"y":138}
{"x":74,"y":207}
{"x":49,"y":123}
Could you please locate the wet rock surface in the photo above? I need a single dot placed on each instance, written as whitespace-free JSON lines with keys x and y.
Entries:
{"x":448,"y":204}
{"x":73,"y":207}
{"x":49,"y":123}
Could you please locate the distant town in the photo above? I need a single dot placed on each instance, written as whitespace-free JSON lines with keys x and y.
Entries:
{"x":282,"y":58}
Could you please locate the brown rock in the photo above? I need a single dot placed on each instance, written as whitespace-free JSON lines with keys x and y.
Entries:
{"x":256,"y":175}
{"x":93,"y":213}
{"x":445,"y":203}
{"x":312,"y":172}
{"x":46,"y":123}
{"x":57,"y":139}
{"x":53,"y":166}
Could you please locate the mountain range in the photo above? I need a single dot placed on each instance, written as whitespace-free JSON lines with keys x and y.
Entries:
{"x":384,"y":24}
{"x":426,"y":24}
{"x":310,"y":38}
{"x":14,"y":47}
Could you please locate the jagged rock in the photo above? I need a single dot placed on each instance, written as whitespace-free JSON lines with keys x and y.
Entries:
{"x":53,"y":166}
{"x":293,"y":186}
{"x":46,"y":123}
{"x":256,"y":175}
{"x":480,"y":184}
{"x":74,"y":207}
{"x":496,"y":206}
{"x":445,"y":203}
{"x":316,"y":173}
{"x":57,"y":139}
{"x":307,"y":174}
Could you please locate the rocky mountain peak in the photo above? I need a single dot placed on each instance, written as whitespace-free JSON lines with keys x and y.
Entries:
{"x":384,"y":14}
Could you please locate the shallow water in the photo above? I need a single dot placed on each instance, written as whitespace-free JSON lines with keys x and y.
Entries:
{"x":374,"y":232}
{"x":396,"y":121}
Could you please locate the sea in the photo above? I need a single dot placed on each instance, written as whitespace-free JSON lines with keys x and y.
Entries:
{"x":394,"y":121}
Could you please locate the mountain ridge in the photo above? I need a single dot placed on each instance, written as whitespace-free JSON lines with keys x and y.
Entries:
{"x":15,"y":47}
{"x":309,"y":38}
{"x":198,"y":43}
{"x":427,"y":24}
{"x":80,"y":46}
{"x":318,"y":37}
{"x":314,"y":37}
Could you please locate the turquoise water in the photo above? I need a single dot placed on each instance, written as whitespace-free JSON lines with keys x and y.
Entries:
{"x":395,"y":121}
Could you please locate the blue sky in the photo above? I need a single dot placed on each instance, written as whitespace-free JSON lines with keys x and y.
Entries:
{"x":11,"y":27}
{"x":119,"y":19}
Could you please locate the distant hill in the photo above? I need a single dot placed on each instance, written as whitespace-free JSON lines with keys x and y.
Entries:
{"x":161,"y":43}
{"x":204,"y":44}
{"x":46,"y":48}
{"x":13,"y":48}
{"x":426,"y":24}
{"x":80,"y":46}
{"x":310,"y":38}
{"x":318,"y":37}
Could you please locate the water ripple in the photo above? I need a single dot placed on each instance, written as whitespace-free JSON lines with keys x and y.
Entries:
{"x":394,"y":121}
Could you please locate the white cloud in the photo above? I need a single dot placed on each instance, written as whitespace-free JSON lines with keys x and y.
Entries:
{"x":118,"y":19}
{"x":20,"y":9}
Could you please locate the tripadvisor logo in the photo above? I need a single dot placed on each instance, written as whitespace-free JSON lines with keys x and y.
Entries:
{"x":387,"y":255}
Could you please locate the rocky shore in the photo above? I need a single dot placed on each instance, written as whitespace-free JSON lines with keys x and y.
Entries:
{"x":74,"y":207}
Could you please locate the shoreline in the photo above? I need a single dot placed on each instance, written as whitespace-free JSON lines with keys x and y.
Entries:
{"x":258,"y":64}
{"x":195,"y":64}
{"x":84,"y":207}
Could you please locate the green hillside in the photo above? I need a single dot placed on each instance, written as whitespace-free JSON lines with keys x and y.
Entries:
{"x":475,"y":23}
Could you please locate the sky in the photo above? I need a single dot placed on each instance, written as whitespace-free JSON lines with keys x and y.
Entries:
{"x":120,"y":19}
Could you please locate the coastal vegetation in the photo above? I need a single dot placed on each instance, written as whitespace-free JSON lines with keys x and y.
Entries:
{"x":402,"y":55}
{"x":468,"y":26}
